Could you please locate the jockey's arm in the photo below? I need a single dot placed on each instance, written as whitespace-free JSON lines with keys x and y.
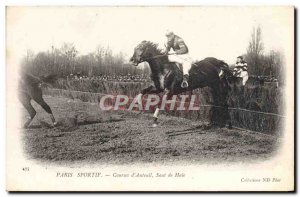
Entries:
{"x":245,"y":68}
{"x":242,"y":66}
{"x":239,"y":67}
{"x":168,"y":48}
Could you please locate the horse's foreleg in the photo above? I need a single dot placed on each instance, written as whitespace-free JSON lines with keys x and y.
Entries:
{"x":151,"y":90}
{"x":147,"y":90}
{"x":155,"y":116}
{"x":47,"y":108}
{"x":168,"y":94}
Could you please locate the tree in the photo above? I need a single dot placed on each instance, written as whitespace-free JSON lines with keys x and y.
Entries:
{"x":273,"y":64}
{"x":256,"y":45}
{"x":27,"y":61}
{"x":255,"y":51}
{"x":268,"y":64}
{"x":70,"y":53}
{"x":65,"y":60}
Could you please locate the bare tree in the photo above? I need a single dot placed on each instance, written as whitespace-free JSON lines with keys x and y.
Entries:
{"x":65,"y":60}
{"x":70,"y":52}
{"x":256,"y":45}
{"x":255,"y":51}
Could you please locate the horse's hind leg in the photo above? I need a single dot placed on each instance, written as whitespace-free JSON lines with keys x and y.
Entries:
{"x":46,"y":107}
{"x":220,"y":114}
{"x":25,"y":100}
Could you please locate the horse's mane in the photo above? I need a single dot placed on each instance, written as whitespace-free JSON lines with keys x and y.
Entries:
{"x":161,"y":60}
{"x":152,"y":46}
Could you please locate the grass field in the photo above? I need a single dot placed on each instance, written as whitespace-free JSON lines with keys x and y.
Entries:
{"x":87,"y":134}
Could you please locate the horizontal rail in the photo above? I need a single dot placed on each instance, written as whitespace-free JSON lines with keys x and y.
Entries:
{"x":230,"y":108}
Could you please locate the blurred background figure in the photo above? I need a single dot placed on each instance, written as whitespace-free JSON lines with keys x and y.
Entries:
{"x":241,"y":69}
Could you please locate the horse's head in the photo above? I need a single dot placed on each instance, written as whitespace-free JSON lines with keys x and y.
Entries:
{"x":144,"y":52}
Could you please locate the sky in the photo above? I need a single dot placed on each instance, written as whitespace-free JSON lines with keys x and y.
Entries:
{"x":221,"y":32}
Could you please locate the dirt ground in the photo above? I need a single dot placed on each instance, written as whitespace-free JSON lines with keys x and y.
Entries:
{"x":86,"y":134}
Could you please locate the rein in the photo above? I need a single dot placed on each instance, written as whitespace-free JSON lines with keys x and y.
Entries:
{"x":163,"y":55}
{"x":155,"y":57}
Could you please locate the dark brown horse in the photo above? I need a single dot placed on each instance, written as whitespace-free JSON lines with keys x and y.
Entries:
{"x":30,"y":88}
{"x":167,"y":77}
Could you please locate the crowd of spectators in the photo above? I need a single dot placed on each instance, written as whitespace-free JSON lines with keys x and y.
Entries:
{"x":117,"y":78}
{"x":268,"y":78}
{"x":259,"y":80}
{"x":263,"y":79}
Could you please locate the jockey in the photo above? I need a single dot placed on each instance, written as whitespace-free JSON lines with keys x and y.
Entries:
{"x":181,"y":55}
{"x":240,"y":65}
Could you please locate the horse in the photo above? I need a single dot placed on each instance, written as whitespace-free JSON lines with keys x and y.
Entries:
{"x":30,"y":88}
{"x":167,"y":78}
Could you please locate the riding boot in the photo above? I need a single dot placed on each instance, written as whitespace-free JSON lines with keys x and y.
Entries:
{"x":184,"y":83}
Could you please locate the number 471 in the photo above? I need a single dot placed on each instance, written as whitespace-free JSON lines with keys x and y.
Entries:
{"x":26,"y":169}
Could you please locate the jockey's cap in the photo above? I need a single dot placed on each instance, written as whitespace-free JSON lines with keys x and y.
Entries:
{"x":241,"y":57}
{"x":169,"y":33}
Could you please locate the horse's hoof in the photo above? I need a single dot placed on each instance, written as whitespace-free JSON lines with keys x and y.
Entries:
{"x":154,"y":125}
{"x":25,"y":126}
{"x":54,"y":123}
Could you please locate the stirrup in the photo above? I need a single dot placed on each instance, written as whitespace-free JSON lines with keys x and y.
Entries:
{"x":184,"y":84}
